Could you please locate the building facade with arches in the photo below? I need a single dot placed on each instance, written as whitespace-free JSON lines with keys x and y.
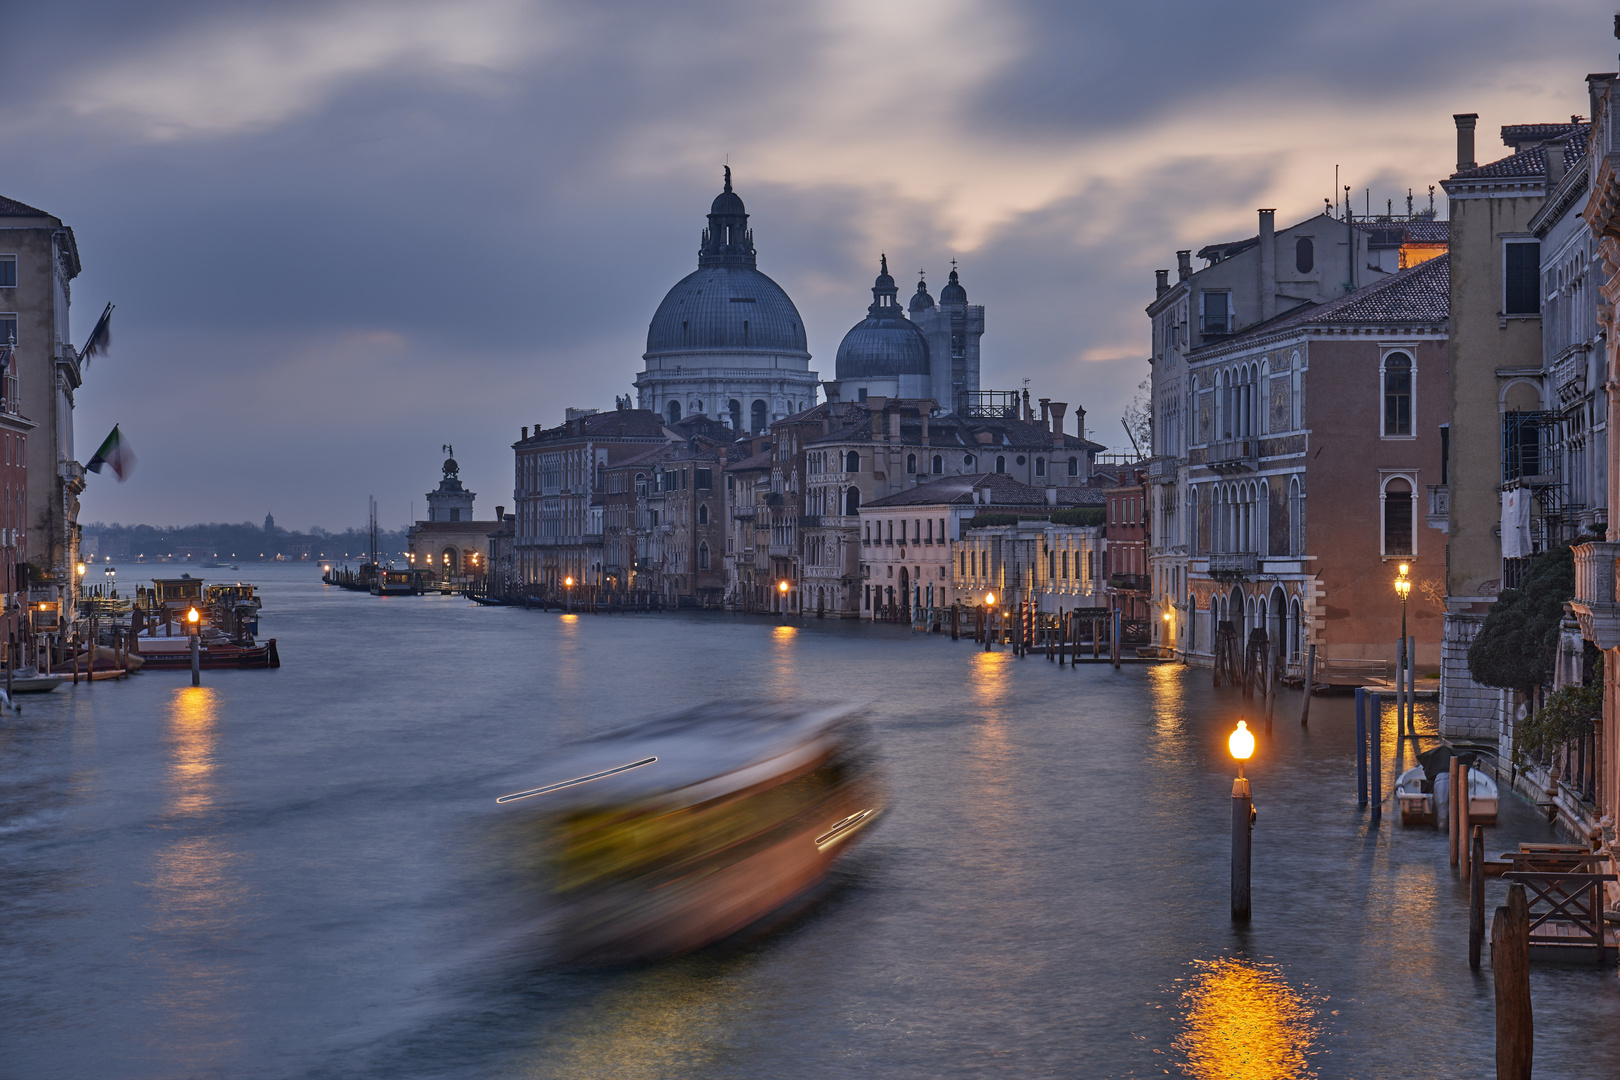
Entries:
{"x":1346,"y":402}
{"x":452,"y":543}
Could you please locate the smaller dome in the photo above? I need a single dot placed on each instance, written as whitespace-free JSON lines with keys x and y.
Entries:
{"x":885,"y":344}
{"x":953,"y":293}
{"x":922,"y":301}
{"x":450,"y":467}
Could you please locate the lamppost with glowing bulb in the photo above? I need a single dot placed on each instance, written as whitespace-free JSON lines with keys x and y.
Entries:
{"x":1241,"y":745}
{"x":568,"y":587}
{"x":782,"y":591}
{"x":194,"y":624}
{"x":989,"y":614}
{"x":111,"y":574}
{"x":1403,"y":696}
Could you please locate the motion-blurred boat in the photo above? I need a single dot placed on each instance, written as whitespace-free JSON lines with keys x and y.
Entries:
{"x":681,"y":831}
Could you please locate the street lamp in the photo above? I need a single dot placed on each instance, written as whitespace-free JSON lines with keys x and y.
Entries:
{"x":990,"y":610}
{"x":111,"y":574}
{"x":782,"y":591}
{"x":1403,"y":700}
{"x":193,"y":624}
{"x":568,"y":583}
{"x":1241,"y":745}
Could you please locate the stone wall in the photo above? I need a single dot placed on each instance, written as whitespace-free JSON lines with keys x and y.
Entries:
{"x":1467,"y":709}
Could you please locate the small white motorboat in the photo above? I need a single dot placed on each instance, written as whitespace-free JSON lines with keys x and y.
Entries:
{"x":1482,"y":799}
{"x":29,"y":681}
{"x":1415,"y":799}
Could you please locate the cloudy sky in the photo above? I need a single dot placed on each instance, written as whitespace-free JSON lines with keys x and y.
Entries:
{"x":340,"y":234}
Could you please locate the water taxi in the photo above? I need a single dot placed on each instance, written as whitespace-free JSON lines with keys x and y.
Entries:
{"x":672,"y":834}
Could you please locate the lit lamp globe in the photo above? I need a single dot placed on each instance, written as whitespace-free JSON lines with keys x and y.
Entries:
{"x":1241,"y":744}
{"x":80,"y":568}
{"x":568,"y":581}
{"x":192,"y":618}
{"x":782,"y":587}
{"x":990,"y":599}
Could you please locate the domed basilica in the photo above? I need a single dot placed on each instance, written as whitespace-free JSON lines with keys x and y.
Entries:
{"x":727,"y":342}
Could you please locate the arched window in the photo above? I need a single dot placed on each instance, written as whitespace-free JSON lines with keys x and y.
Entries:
{"x":1296,"y":524}
{"x":852,"y":462}
{"x":1074,"y":466}
{"x":1398,"y":509}
{"x":703,"y":556}
{"x":760,"y":414}
{"x":1001,"y":464}
{"x":697,"y":406}
{"x":911,"y":464}
{"x":734,"y":408}
{"x":673,"y":411}
{"x":939,"y":465}
{"x":1397,"y":394}
{"x":852,"y":501}
{"x":967,"y":461}
{"x":1304,"y":255}
{"x":703,"y":515}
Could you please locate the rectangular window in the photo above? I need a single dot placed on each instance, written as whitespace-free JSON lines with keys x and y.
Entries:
{"x":1040,"y":470}
{"x":1398,"y":519}
{"x":8,"y":329}
{"x":702,"y":478}
{"x":1397,"y":395}
{"x":1217,"y":312}
{"x":1521,"y":278}
{"x":8,"y":271}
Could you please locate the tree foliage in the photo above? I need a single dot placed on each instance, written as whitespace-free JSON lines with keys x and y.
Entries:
{"x":1518,"y":644}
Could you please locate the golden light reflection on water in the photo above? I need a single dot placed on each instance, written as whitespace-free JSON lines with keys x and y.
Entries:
{"x":191,"y":738}
{"x":665,"y":1022}
{"x":1244,"y":1022}
{"x":992,"y":675}
{"x":784,"y":633}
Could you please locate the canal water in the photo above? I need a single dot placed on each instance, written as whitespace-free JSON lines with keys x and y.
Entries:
{"x":302,"y":873}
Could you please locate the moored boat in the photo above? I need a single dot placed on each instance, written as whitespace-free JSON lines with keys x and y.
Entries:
{"x":1415,"y":797}
{"x":175,"y":653}
{"x":673,"y":834}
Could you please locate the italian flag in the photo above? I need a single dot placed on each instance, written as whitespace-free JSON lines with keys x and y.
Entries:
{"x":116,"y":453}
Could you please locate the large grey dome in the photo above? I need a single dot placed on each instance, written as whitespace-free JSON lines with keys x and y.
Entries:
{"x":726,"y":307}
{"x":885,"y":343}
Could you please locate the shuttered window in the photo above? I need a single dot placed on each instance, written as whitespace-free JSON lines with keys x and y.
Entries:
{"x":1521,"y":291}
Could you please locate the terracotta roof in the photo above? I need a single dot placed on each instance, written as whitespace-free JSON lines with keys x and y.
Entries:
{"x":1531,"y":160}
{"x":1420,"y":294}
{"x":13,"y":208}
{"x":1004,"y":492}
{"x":1516,"y":135}
{"x":617,"y":423}
{"x":761,"y":460}
{"x":1421,"y":231}
{"x":962,"y":433}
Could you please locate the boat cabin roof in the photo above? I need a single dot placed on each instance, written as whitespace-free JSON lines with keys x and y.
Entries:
{"x":702,"y":753}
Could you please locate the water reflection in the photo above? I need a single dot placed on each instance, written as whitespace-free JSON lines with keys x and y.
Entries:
{"x":195,"y":894}
{"x":1244,"y":1021}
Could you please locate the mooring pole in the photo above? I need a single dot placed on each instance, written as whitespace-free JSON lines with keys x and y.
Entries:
{"x":1242,"y":828}
{"x":1476,"y":898}
{"x":1375,"y":759}
{"x":1510,"y":966}
{"x":1310,"y":677}
{"x":1361,"y":746}
{"x":196,"y":661}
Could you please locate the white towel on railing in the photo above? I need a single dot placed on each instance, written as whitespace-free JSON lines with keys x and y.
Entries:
{"x":1515,"y":523}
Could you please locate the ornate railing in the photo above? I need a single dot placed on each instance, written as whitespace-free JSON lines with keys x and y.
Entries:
{"x":1233,"y":564}
{"x":1235,"y":455}
{"x":1162,"y":470}
{"x":1594,"y":604}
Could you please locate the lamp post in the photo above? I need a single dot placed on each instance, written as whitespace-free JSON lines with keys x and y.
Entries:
{"x":989,"y":614}
{"x":111,"y":574}
{"x":782,"y":591}
{"x":568,"y":592}
{"x":1241,"y":745}
{"x":193,"y":621}
{"x":1403,"y":696}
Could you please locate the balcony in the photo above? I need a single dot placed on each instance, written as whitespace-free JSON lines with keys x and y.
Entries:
{"x":781,"y":551}
{"x":744,"y":513}
{"x":1569,"y":373}
{"x":810,"y":521}
{"x":1128,"y":582}
{"x":1235,"y":455}
{"x":1439,"y":506}
{"x":1162,"y":470}
{"x":1594,"y":603}
{"x":1233,"y":565}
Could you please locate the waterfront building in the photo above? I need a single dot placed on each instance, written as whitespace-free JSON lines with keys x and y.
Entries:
{"x":39,"y":258}
{"x":559,"y":491}
{"x":855,"y":453}
{"x":727,"y":342}
{"x":908,"y":540}
{"x":1362,"y":378}
{"x":1243,"y":284}
{"x":1500,"y":422}
{"x":1057,"y":567}
{"x":1126,"y":565}
{"x":748,"y":568}
{"x":14,"y":430}
{"x":665,"y":523}
{"x":451,"y":543}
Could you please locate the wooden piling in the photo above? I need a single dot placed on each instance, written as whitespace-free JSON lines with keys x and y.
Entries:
{"x":1476,"y":898}
{"x":1310,"y":677}
{"x":1510,"y":969}
{"x":1464,"y":842}
{"x":1361,"y":746}
{"x":1452,"y":813}
{"x":1271,"y":685}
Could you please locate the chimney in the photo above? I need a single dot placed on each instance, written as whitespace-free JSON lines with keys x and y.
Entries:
{"x":877,"y":425}
{"x":1596,"y":87}
{"x":525,"y":433}
{"x":1058,"y":409}
{"x":500,"y":513}
{"x":1080,"y":420}
{"x":1268,"y":264}
{"x":925,"y":427}
{"x":1029,"y":413}
{"x":1051,"y":496}
{"x":1046,"y":412}
{"x":894,"y":424}
{"x":985,"y":491}
{"x":1465,"y":139}
{"x":1183,"y":265}
{"x":1553,"y":155}
{"x":1161,"y":283}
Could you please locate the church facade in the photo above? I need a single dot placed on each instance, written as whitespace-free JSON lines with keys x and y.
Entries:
{"x":726,"y":342}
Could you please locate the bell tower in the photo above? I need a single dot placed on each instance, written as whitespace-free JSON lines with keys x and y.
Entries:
{"x":451,"y":502}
